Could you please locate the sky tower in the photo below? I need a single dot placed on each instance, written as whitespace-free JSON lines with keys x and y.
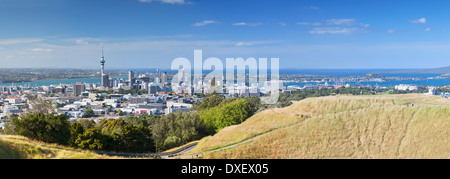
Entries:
{"x":102,"y":62}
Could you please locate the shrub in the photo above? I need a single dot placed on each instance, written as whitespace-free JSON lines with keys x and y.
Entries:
{"x":46,"y":127}
{"x":172,"y":141}
{"x":181,"y":128}
{"x":226,"y":114}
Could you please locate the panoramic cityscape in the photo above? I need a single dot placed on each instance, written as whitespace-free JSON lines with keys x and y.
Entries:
{"x":198,"y":79}
{"x":152,"y":92}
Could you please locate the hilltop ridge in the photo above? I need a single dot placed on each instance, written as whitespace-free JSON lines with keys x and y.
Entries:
{"x":385,"y":126}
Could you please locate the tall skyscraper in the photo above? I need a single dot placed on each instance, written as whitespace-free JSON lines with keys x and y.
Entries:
{"x":180,"y":75}
{"x":164,"y":78}
{"x":105,"y":81}
{"x":78,"y":89}
{"x":102,"y":62}
{"x":131,"y":77}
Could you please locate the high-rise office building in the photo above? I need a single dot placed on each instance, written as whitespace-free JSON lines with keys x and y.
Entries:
{"x":164,"y":78}
{"x":105,"y":81}
{"x":180,"y":76}
{"x":131,"y":78}
{"x":78,"y":89}
{"x":153,"y":88}
{"x":157,"y":80}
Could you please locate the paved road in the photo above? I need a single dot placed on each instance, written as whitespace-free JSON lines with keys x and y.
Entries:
{"x":182,"y":152}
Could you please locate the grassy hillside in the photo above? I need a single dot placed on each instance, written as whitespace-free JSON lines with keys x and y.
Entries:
{"x":342,"y":127}
{"x":18,"y":147}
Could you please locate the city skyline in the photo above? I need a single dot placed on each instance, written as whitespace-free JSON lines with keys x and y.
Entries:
{"x":150,"y":34}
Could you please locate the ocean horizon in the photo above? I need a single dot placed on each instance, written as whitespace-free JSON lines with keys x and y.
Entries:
{"x":321,"y":72}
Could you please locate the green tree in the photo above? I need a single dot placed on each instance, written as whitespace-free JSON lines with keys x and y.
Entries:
{"x":112,"y":126}
{"x":226,"y":114}
{"x":137,"y":139}
{"x":86,"y":123}
{"x":46,"y":127}
{"x":185,"y":127}
{"x":89,"y":113}
{"x":172,"y":141}
{"x":212,"y":100}
{"x":76,"y":129}
{"x":92,"y":139}
{"x":255,"y":103}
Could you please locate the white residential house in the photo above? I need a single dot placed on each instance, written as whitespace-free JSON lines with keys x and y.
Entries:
{"x":15,"y":100}
{"x":99,"y":111}
{"x":11,"y":109}
{"x":70,"y":107}
{"x":404,"y":87}
{"x":431,"y":91}
{"x":172,"y":107}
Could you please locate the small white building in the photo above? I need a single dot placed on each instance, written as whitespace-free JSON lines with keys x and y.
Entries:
{"x":146,"y":111}
{"x":174,"y":107}
{"x":11,"y":109}
{"x":69,"y":107}
{"x":111,"y":102}
{"x":127,"y":110}
{"x":81,"y":103}
{"x":99,"y":112}
{"x":15,"y":100}
{"x":404,"y":87}
{"x":75,"y":114}
{"x":431,"y":91}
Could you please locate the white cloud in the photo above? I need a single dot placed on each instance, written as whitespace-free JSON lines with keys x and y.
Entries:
{"x":336,"y":22}
{"x":348,"y":22}
{"x":428,"y":29}
{"x":334,"y":30}
{"x":240,"y":44}
{"x":337,"y":26}
{"x":341,"y":21}
{"x":391,"y":31}
{"x":246,"y":24}
{"x":203,"y":23}
{"x":19,"y":41}
{"x":174,"y":1}
{"x":310,"y":23}
{"x":81,"y":42}
{"x":419,"y":21}
{"x":41,"y":50}
{"x":166,"y":1}
{"x":37,"y":49}
{"x":311,"y":8}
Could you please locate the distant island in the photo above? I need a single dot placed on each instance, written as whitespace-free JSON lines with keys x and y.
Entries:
{"x":18,"y":75}
{"x":442,"y":70}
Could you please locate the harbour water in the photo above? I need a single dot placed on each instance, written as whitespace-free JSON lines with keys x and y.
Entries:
{"x":55,"y":82}
{"x":324,"y":72}
{"x":432,"y":82}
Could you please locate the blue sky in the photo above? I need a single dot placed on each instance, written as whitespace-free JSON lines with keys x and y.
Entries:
{"x":151,"y":33}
